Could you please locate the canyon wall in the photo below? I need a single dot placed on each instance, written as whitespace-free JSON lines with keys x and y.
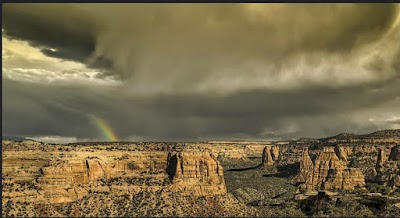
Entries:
{"x":58,"y":176}
{"x":195,"y":173}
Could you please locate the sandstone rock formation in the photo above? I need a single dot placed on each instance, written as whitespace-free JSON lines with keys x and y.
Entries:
{"x":388,"y":171}
{"x":267,"y":160}
{"x":395,"y":153}
{"x":329,"y":173}
{"x":275,"y":152}
{"x":380,"y":161}
{"x":122,"y":178}
{"x":68,"y":181}
{"x":196,"y":173}
{"x":71,"y":177}
{"x":341,"y":153}
{"x":269,"y":156}
{"x":306,"y":167}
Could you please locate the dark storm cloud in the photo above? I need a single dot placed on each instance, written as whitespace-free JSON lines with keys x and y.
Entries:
{"x":193,"y":43}
{"x":245,"y":115}
{"x":61,"y":31}
{"x":208,"y":71}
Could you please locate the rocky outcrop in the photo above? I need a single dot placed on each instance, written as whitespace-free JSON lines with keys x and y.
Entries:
{"x":393,"y":180}
{"x":196,"y":174}
{"x":345,"y":179}
{"x":275,"y":152}
{"x":187,"y":173}
{"x":68,"y":180}
{"x":330,"y":173}
{"x":388,"y":170}
{"x":267,"y":161}
{"x":306,"y":167}
{"x":389,"y":175}
{"x":395,"y":153}
{"x":269,"y":156}
{"x":341,"y":153}
{"x":380,"y":161}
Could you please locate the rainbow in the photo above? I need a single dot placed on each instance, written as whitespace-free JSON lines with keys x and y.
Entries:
{"x":106,"y":129}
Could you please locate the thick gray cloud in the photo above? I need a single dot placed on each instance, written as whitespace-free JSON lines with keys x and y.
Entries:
{"x":36,"y":110}
{"x":202,"y":71}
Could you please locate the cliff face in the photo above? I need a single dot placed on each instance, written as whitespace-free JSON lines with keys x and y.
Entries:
{"x":328,"y":172}
{"x":53,"y":175}
{"x":236,"y":150}
{"x":196,"y":173}
{"x":68,"y":181}
{"x":344,"y":179}
{"x":172,"y":179}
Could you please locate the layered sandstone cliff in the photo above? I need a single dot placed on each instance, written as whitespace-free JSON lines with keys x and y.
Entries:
{"x":58,"y":176}
{"x":329,"y":172}
{"x":195,"y":173}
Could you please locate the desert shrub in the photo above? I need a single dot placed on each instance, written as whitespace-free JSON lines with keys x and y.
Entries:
{"x":392,"y":211}
{"x":377,"y":188}
{"x":347,"y":208}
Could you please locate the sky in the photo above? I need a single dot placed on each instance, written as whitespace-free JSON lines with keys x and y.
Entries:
{"x":195,"y":72}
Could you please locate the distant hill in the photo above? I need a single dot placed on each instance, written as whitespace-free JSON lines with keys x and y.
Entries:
{"x":391,"y":133}
{"x":384,"y":133}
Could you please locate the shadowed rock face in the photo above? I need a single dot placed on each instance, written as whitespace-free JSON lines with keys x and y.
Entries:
{"x":388,"y":171}
{"x":196,"y":173}
{"x":341,"y":153}
{"x":395,"y":153}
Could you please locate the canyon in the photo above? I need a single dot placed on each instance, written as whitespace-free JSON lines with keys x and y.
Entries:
{"x":215,"y":178}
